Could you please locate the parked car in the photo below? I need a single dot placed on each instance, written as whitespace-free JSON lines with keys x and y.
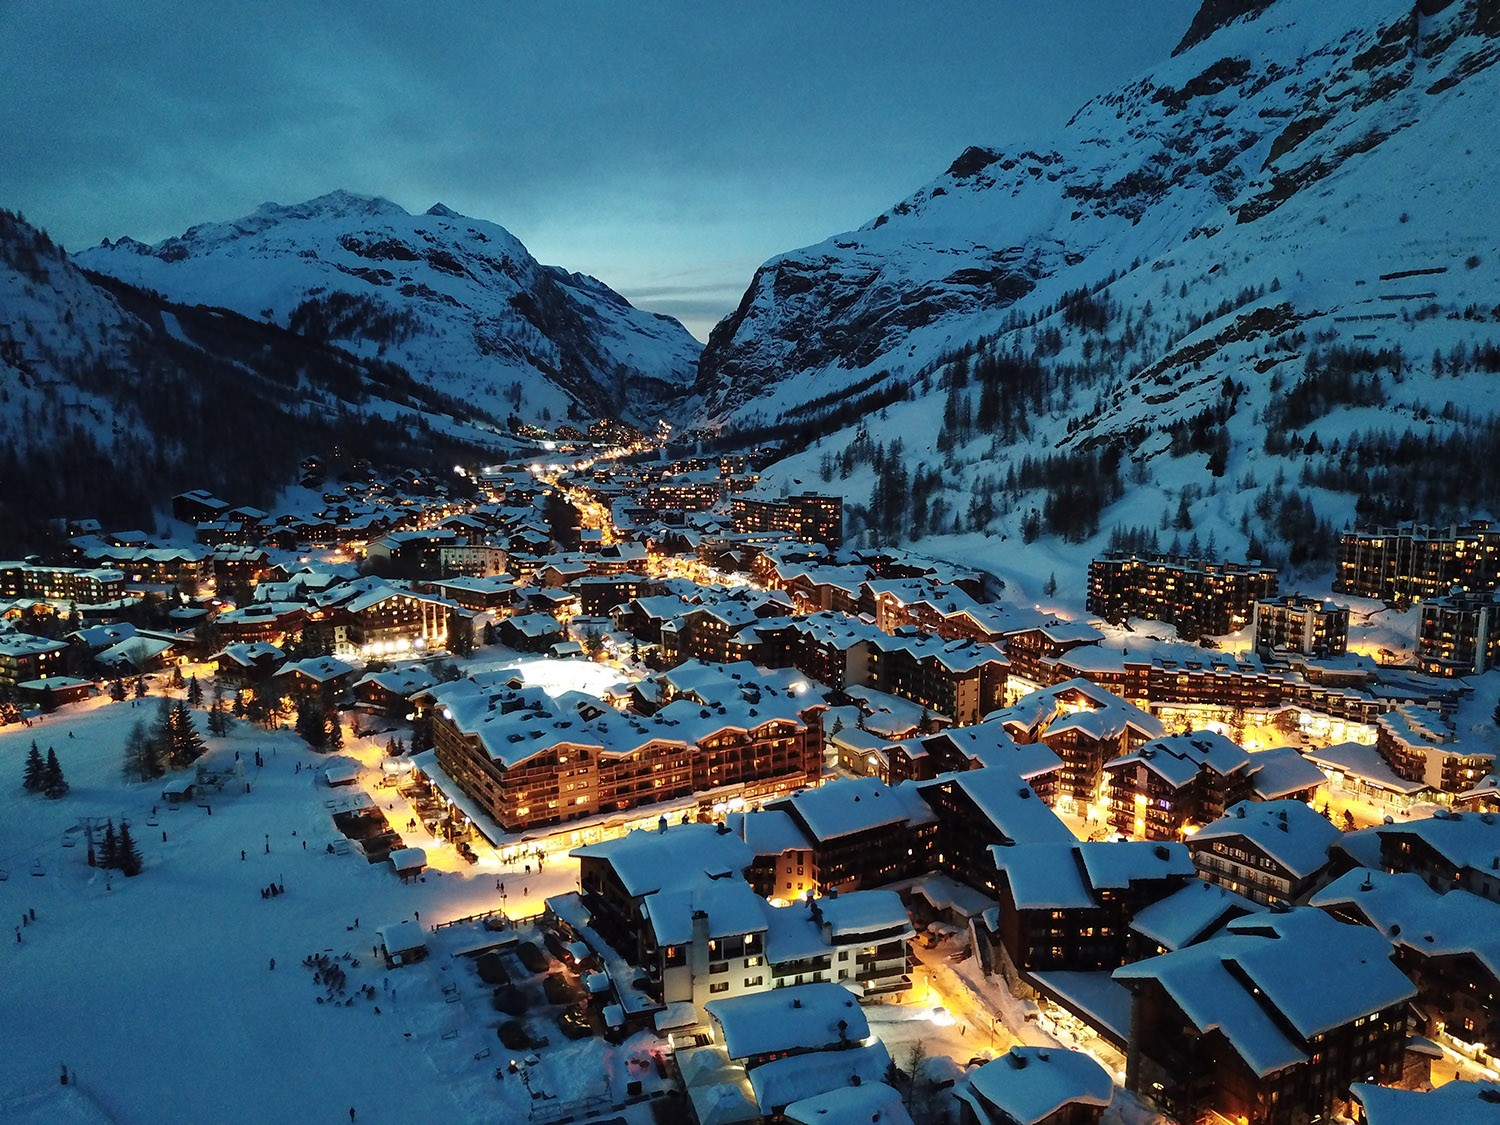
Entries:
{"x":492,"y":969}
{"x":507,"y":998}
{"x":574,"y":1024}
{"x":532,"y":957}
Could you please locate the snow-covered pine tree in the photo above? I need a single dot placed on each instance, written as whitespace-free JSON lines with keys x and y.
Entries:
{"x":35,"y":769}
{"x":127,"y":854}
{"x":194,"y":693}
{"x":109,"y":847}
{"x":184,"y":743}
{"x":54,"y":785}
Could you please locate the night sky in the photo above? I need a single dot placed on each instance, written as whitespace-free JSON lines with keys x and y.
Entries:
{"x":668,"y":149}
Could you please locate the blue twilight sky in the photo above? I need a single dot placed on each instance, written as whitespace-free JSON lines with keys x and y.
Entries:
{"x":666,"y":148}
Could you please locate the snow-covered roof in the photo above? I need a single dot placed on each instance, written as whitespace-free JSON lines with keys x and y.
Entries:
{"x":398,"y":937}
{"x":247,"y":653}
{"x":855,"y":913}
{"x":1008,"y":803}
{"x":672,"y":855}
{"x":1412,"y":914}
{"x":770,"y":832}
{"x":728,"y":905}
{"x":1472,"y":1103}
{"x":1469,"y":840}
{"x":873,"y":1104}
{"x":1028,"y":1084}
{"x":1178,"y":759}
{"x":1289,"y":832}
{"x":1186,"y":915}
{"x":849,"y":805}
{"x":1045,"y":876}
{"x":1282,"y":771}
{"x":1285,"y":956}
{"x":408,"y":859}
{"x":800,"y":1017}
{"x":798,"y":1077}
{"x":319,"y":669}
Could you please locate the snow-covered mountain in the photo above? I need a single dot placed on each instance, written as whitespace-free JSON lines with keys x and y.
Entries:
{"x":458,"y":302}
{"x":1258,"y":284}
{"x":113,"y":398}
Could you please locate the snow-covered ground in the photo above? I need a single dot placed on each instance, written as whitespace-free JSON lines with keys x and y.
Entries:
{"x":157,"y":993}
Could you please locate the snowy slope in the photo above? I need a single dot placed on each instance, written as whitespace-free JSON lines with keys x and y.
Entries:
{"x":1228,"y":215}
{"x":112,"y":399}
{"x":458,"y":301}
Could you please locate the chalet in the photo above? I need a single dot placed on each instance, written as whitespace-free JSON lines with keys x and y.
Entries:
{"x":385,"y":620}
{"x":529,"y":759}
{"x":1269,"y":851}
{"x":1448,"y":850}
{"x":1027,"y":648}
{"x":198,"y":506}
{"x":981,"y":809}
{"x":601,"y":594}
{"x":490,"y":594}
{"x":53,"y":692}
{"x":1448,"y":944}
{"x":389,"y":693}
{"x":1174,"y":783}
{"x":531,"y":632}
{"x":247,"y":662}
{"x":1260,"y":1024}
{"x":1085,"y":726}
{"x":1422,"y":746}
{"x":796,"y":1042}
{"x":1035,"y":1086}
{"x":1066,"y":906}
{"x":325,"y":676}
{"x":862,"y":833}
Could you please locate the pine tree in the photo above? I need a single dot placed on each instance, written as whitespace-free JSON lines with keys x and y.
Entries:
{"x":142,"y":754}
{"x":177,"y":681}
{"x":183,"y":742}
{"x":109,"y":847}
{"x":311,"y":724}
{"x":334,"y":738}
{"x":195,"y":693}
{"x":117,"y":690}
{"x":1051,"y":587}
{"x":218,"y":720}
{"x":54,"y":785}
{"x":34,"y":770}
{"x":127,"y":854}
{"x":140,"y":687}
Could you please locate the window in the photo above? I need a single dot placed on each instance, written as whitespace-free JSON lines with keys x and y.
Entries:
{"x":750,"y":982}
{"x":721,"y":986}
{"x":717,"y":967}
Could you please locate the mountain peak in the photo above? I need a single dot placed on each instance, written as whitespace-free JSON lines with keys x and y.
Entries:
{"x":443,"y":211}
{"x":331,"y":205}
{"x":1214,"y":14}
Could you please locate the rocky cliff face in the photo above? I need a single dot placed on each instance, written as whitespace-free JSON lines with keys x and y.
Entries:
{"x":457,"y":301}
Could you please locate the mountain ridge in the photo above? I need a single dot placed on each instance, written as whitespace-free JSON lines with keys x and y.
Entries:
{"x":1240,"y":215}
{"x":458,"y":301}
